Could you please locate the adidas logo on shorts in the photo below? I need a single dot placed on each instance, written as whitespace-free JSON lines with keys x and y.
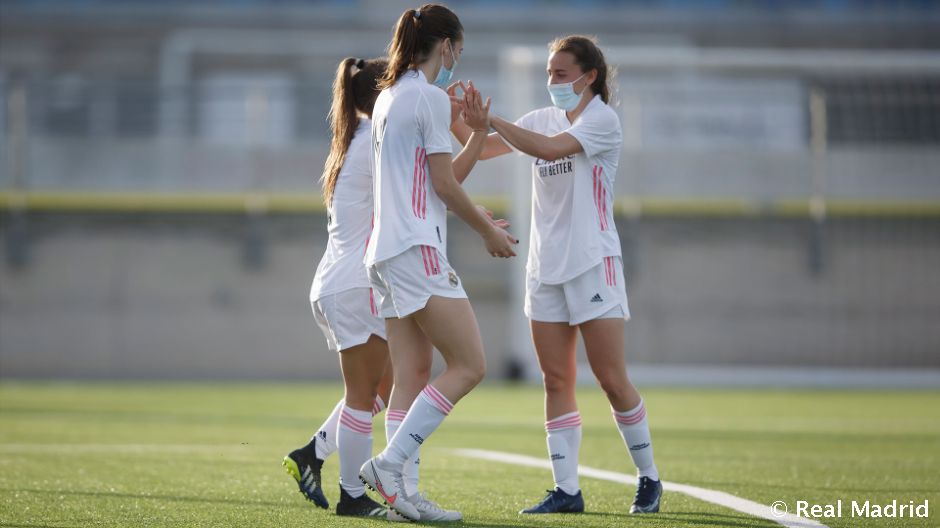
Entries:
{"x":597,"y":298}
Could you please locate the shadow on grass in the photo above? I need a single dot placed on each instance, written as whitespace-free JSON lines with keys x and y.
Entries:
{"x":174,"y":498}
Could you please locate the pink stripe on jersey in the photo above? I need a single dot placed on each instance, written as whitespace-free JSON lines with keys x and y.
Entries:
{"x":631,"y":419}
{"x":420,"y":183}
{"x":604,"y":205}
{"x":372,"y":307}
{"x":424,"y":183}
{"x":563,"y":422}
{"x":435,"y":398}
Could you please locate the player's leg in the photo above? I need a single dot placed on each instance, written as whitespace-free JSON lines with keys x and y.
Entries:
{"x":347,"y":321}
{"x":555,"y":348}
{"x":412,"y":353}
{"x":363,"y":368}
{"x":604,"y":344}
{"x":414,"y":361}
{"x":305,"y":463}
{"x":422,"y":299}
{"x":448,"y":323}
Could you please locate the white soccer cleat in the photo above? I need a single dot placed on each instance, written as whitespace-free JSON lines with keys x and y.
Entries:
{"x":388,"y":485}
{"x":429,"y":510}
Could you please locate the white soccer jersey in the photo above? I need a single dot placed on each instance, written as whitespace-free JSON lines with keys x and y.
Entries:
{"x":411,"y":121}
{"x":350,"y":221}
{"x":572,"y":207}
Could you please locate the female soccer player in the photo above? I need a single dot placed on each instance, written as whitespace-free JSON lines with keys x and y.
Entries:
{"x":417,"y":291}
{"x":342,"y":300}
{"x":574,"y":275}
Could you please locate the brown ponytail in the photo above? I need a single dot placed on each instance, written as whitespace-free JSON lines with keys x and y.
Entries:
{"x":588,"y":56}
{"x":416,"y":32}
{"x":353,"y":94}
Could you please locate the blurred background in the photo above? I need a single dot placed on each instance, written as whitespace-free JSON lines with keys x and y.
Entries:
{"x":778,"y":197}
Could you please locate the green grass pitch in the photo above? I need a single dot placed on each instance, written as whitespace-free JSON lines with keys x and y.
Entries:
{"x":209,"y":454}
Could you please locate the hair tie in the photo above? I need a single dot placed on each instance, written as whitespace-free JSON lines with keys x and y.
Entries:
{"x":417,"y":14}
{"x":361,"y":63}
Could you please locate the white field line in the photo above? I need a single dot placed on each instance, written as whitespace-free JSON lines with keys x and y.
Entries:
{"x":715,"y":497}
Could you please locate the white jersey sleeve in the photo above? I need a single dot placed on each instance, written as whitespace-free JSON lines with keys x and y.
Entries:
{"x":597,"y":132}
{"x":433,"y":115}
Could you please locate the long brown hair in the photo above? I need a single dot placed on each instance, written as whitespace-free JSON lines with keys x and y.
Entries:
{"x":588,"y":56}
{"x":416,"y":32}
{"x":353,"y":94}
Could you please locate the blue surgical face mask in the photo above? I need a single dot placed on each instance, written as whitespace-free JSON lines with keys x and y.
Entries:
{"x":563,"y":95}
{"x":444,"y":75}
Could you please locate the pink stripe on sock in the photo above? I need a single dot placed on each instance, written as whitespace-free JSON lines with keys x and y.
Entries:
{"x":632,"y":419}
{"x":564,"y":423}
{"x":437,"y":399}
{"x":394,"y":417}
{"x":355,"y":425}
{"x":350,"y":417}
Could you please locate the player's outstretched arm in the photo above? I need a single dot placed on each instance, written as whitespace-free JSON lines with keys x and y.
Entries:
{"x":475,"y":115}
{"x":548,"y":148}
{"x":493,"y":145}
{"x":498,"y":242}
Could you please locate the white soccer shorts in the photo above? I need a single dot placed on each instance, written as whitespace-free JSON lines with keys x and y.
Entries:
{"x":598,"y":293}
{"x":404,"y":283}
{"x":348,"y":318}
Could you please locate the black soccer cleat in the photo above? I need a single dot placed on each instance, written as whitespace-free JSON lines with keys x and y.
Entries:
{"x":648,"y":493}
{"x":557,"y":501}
{"x":361,"y":506}
{"x":304,"y":466}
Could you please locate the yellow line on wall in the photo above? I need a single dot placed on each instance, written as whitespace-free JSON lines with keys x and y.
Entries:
{"x":310,"y":203}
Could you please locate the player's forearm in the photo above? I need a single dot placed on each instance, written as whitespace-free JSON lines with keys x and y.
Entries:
{"x":461,"y":131}
{"x":529,"y":142}
{"x":468,"y":157}
{"x":457,"y":201}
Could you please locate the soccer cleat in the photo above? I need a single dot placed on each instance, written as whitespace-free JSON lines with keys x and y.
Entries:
{"x":557,"y":501}
{"x":304,"y":466}
{"x":648,"y":493}
{"x":388,"y":485}
{"x":361,"y":506}
{"x":428,"y":509}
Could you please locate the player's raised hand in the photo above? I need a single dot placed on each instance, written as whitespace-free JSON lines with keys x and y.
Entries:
{"x":457,"y":104}
{"x":476,"y":113}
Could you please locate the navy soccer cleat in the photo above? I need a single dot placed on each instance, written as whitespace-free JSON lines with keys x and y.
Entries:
{"x":648,"y":493}
{"x":557,"y":501}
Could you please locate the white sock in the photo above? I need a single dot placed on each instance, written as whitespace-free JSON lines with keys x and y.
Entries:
{"x":393,"y":419}
{"x":635,"y":431}
{"x":355,"y":447}
{"x":564,"y":442}
{"x":426,"y":414}
{"x":378,"y":405}
{"x":326,"y":435}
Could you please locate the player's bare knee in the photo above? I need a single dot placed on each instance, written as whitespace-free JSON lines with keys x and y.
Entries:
{"x":615,"y":387}
{"x":557,"y":382}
